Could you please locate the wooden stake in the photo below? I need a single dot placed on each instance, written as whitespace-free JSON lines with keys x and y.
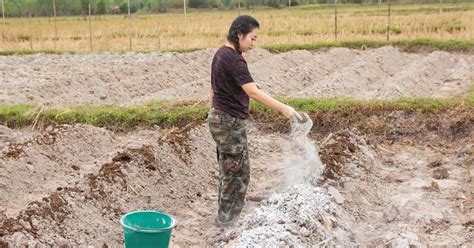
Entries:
{"x":239,"y":6}
{"x":335,"y":19}
{"x":185,"y":15}
{"x":90,"y":27}
{"x":129,"y":26}
{"x":388,"y":25}
{"x":31,"y":33}
{"x":158,"y":34}
{"x":55,"y":25}
{"x":3,"y":28}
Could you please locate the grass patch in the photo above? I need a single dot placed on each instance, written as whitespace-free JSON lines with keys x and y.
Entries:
{"x":422,"y":44}
{"x":155,"y":113}
{"x":416,"y":45}
{"x":23,"y":37}
{"x":166,"y":114}
{"x":183,"y":50}
{"x":30,"y":52}
{"x":312,"y":105}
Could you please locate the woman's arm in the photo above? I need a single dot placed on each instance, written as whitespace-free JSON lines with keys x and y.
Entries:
{"x":261,"y":97}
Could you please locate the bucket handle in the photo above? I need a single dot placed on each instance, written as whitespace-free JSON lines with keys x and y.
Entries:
{"x":145,"y":228}
{"x":159,"y":210}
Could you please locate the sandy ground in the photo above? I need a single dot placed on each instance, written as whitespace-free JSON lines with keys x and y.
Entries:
{"x":136,"y":78}
{"x":68,"y":185}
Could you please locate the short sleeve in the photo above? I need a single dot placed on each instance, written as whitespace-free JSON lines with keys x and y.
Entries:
{"x":240,"y":72}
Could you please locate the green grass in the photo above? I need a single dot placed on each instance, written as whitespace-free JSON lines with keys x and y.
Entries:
{"x":30,"y":52}
{"x":416,"y":45}
{"x":166,"y":114}
{"x":423,"y":44}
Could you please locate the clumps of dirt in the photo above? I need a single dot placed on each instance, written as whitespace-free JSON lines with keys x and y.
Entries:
{"x":147,"y":157}
{"x":53,"y":208}
{"x":178,"y":138}
{"x":302,"y":215}
{"x":440,"y":173}
{"x":46,"y":137}
{"x":13,"y":150}
{"x":336,"y":149}
{"x":435,"y":163}
{"x":112,"y":172}
{"x":462,"y":126}
{"x":390,"y":124}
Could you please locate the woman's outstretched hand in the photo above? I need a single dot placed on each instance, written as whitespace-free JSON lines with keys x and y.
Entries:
{"x":289,"y":112}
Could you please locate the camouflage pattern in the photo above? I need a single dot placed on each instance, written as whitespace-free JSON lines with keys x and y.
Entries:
{"x":234,"y":165}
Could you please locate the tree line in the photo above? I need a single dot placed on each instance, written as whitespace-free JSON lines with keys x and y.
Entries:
{"x":15,"y":8}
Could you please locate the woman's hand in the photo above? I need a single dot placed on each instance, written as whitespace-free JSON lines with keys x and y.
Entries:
{"x":289,"y":112}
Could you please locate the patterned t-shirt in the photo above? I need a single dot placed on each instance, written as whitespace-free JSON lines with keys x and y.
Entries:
{"x":229,"y":73}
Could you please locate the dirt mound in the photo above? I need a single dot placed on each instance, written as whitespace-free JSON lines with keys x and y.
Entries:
{"x":136,"y":78}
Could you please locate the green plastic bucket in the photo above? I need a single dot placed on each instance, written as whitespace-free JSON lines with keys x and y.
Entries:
{"x":147,"y":229}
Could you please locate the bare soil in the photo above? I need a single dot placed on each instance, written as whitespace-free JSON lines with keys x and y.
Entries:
{"x":384,"y":178}
{"x":382,"y":73}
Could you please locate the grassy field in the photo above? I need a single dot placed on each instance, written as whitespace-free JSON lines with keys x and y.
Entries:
{"x":300,"y":26}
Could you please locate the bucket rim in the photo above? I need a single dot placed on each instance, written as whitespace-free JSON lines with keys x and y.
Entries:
{"x":173,"y":222}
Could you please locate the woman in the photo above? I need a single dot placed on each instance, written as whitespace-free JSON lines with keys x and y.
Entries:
{"x":232,"y":85}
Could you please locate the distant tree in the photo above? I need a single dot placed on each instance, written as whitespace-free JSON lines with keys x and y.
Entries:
{"x":198,"y":3}
{"x":273,"y":3}
{"x":85,"y":8}
{"x":101,"y":8}
{"x":124,"y":7}
{"x":293,"y":2}
{"x":160,"y":5}
{"x":215,"y":3}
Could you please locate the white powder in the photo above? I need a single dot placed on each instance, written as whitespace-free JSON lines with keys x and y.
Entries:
{"x":300,"y":216}
{"x":302,"y":161}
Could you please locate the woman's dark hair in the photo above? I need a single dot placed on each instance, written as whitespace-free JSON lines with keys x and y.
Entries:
{"x":243,"y":24}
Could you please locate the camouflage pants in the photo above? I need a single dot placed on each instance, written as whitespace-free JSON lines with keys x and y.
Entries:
{"x":234,"y":166}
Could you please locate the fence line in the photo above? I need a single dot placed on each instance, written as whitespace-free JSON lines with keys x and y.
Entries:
{"x":129,"y":26}
{"x":388,"y":23}
{"x":30,"y":33}
{"x":335,"y":19}
{"x":56,"y":37}
{"x":158,"y":36}
{"x":3,"y":27}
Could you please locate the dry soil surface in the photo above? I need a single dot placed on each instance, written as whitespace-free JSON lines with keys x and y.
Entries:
{"x":382,"y":73}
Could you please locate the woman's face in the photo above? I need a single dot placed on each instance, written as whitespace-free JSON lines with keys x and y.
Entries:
{"x":247,"y":42}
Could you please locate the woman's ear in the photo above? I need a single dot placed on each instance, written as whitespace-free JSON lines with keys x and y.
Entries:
{"x":240,"y":35}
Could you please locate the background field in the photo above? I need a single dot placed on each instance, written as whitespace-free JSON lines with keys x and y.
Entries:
{"x":306,"y":24}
